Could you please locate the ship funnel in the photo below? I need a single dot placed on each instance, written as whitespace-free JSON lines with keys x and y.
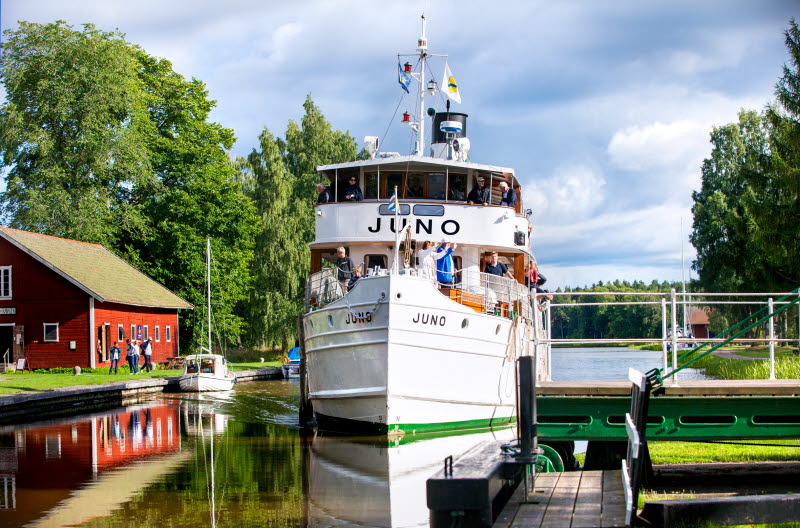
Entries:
{"x":447,"y":127}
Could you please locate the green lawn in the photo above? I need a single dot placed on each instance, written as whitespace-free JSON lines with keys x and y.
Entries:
{"x":13,"y":382}
{"x":252,"y":365}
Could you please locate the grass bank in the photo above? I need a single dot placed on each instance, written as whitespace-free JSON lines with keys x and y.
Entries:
{"x":787,"y":365}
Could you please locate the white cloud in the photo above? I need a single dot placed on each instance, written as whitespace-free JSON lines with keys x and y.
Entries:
{"x":576,"y":189}
{"x":658,"y":145}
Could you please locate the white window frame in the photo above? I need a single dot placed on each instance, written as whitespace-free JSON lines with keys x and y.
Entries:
{"x":168,"y":333}
{"x":44,"y":333}
{"x":145,"y":332}
{"x":120,"y":332}
{"x":157,"y":330}
{"x":132,"y":337}
{"x":2,"y":272}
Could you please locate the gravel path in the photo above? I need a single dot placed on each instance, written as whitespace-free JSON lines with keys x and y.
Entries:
{"x":730,"y":354}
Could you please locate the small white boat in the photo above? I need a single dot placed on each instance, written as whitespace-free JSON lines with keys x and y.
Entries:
{"x":206,"y":372}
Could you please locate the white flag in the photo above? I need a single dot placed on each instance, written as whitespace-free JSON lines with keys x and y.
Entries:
{"x":449,"y":84}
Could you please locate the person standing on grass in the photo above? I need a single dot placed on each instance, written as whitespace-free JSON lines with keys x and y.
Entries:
{"x":115,"y":353}
{"x":132,"y":357}
{"x":147,"y":350}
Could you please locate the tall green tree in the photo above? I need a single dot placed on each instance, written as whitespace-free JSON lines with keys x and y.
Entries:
{"x":105,"y":143}
{"x":283,"y":176}
{"x":70,"y":131}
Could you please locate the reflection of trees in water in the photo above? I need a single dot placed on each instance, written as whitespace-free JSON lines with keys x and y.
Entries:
{"x":258,"y":474}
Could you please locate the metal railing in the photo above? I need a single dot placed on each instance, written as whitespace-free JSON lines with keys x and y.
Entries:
{"x":487,"y":293}
{"x":323,"y":288}
{"x":482,"y":292}
{"x":671,"y":341}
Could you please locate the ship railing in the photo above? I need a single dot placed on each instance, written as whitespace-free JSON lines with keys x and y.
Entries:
{"x":322,"y":288}
{"x":487,"y":293}
{"x":680,"y":349}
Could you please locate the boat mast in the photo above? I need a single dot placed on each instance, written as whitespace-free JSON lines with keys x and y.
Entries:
{"x":208,"y":287}
{"x":422,"y":47}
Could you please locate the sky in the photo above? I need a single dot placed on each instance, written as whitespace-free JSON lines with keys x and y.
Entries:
{"x":603,"y":109}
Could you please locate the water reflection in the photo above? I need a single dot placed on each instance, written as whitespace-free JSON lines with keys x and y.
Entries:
{"x":358,"y":482}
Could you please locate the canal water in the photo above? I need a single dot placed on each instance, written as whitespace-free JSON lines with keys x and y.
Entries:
{"x":235,"y":459}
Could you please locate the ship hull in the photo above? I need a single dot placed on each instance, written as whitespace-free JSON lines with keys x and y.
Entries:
{"x":396,"y":356}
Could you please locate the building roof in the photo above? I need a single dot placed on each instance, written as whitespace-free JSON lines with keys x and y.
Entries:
{"x":95,"y":270}
{"x":698,"y":316}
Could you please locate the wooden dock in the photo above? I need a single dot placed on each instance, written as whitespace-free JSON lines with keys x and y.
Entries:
{"x":576,"y":499}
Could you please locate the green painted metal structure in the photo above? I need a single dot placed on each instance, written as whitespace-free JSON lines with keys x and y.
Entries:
{"x":692,"y":417}
{"x":670,"y":418}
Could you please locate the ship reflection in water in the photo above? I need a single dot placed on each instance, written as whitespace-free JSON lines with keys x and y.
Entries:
{"x":362,"y":483}
{"x":214,"y":460}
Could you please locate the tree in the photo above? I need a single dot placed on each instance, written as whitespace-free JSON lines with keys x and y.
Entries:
{"x":105,"y":143}
{"x":283,"y":177}
{"x":70,"y":131}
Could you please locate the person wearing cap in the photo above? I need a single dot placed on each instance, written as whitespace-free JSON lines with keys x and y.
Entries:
{"x":445,"y":265}
{"x":508,"y":195}
{"x":427,"y":259}
{"x":480,"y":194}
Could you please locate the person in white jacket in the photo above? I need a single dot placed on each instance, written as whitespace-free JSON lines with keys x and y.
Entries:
{"x":427,"y":259}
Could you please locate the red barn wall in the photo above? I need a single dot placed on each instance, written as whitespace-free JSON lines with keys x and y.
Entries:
{"x":40,"y":296}
{"x":121,"y":314}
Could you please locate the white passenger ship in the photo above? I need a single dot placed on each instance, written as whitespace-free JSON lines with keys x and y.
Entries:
{"x":400,"y":352}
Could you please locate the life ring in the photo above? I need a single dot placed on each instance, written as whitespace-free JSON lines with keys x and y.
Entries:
{"x":285,"y":360}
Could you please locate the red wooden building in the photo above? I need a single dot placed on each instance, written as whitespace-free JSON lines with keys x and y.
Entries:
{"x":64,"y":303}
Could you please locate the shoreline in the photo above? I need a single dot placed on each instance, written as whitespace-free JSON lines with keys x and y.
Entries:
{"x":26,"y":407}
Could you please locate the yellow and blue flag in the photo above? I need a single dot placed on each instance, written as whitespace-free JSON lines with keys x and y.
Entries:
{"x":393,"y":201}
{"x":449,"y":84}
{"x":403,"y":78}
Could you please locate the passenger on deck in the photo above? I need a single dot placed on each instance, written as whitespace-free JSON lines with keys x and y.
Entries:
{"x":325,"y":194}
{"x":457,"y":192}
{"x":354,"y":278}
{"x":480,"y":194}
{"x":427,"y":259}
{"x":494,"y":267}
{"x":345,"y":268}
{"x":445,"y":268}
{"x":352,"y":193}
{"x":508,"y":195}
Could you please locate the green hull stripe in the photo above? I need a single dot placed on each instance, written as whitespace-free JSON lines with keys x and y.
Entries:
{"x":448,"y":428}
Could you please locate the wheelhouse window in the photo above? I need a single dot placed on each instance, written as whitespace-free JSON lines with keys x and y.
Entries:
{"x":120,"y":333}
{"x":415,"y":188}
{"x":372,"y":261}
{"x":50,"y":333}
{"x":371,"y":187}
{"x":389,"y":182}
{"x":168,"y":334}
{"x":458,"y":187}
{"x":435,"y":186}
{"x":383,"y":209}
{"x":5,"y":282}
{"x":429,"y":210}
{"x":157,"y":331}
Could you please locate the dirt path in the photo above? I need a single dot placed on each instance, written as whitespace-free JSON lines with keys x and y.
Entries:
{"x":730,"y":354}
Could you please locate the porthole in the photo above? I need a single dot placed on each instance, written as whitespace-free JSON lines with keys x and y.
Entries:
{"x":330,"y":321}
{"x":398,"y":295}
{"x":465,"y":323}
{"x":497,"y":330}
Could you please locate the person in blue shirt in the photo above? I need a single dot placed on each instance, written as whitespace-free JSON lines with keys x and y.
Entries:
{"x":494,"y":267}
{"x":354,"y":278}
{"x":445,"y":268}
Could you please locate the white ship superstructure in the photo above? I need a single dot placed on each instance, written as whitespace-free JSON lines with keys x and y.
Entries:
{"x":402,"y":352}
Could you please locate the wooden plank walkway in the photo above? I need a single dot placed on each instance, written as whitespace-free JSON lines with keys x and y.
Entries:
{"x":576,"y":499}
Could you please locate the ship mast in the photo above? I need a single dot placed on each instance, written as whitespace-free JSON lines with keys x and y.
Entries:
{"x":422,"y":47}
